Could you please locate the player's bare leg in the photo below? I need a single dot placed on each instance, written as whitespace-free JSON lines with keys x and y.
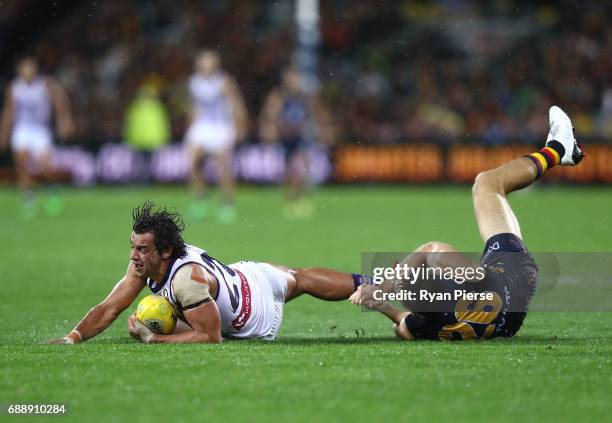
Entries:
{"x":297,"y":204}
{"x":326,"y":284}
{"x":25,"y":183}
{"x":197,"y":182}
{"x":227,"y":211}
{"x":25,"y":180}
{"x":491,"y":206}
{"x":493,"y":212}
{"x":200,"y":208}
{"x":52,"y":203}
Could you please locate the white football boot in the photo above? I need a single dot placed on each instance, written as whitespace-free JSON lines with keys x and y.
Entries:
{"x":561,"y":130}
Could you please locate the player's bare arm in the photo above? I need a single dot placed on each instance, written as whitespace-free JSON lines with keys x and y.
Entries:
{"x":61,"y":106}
{"x":104,"y":314}
{"x":7,"y":120}
{"x":238,"y":107}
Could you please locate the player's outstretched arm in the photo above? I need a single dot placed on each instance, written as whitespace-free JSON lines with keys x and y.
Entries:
{"x":102,"y":315}
{"x":61,"y":106}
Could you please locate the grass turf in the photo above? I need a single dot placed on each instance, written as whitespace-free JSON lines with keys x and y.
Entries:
{"x":331,"y":362}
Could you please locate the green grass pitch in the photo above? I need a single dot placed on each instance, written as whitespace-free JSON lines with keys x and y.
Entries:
{"x":331,"y":361}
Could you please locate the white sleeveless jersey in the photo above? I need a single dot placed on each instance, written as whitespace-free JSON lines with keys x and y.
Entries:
{"x":242,"y":299}
{"x":211,"y":103}
{"x":32,"y":104}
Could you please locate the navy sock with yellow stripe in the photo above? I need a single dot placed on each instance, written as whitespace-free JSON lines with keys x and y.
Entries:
{"x":547,"y":157}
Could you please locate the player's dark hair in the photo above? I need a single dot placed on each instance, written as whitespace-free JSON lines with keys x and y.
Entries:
{"x":166,"y":227}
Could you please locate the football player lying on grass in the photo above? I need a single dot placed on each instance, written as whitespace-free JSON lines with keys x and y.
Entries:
{"x":213,"y":300}
{"x":510,"y":271}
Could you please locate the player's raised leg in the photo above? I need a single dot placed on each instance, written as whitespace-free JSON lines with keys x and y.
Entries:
{"x":493,"y":212}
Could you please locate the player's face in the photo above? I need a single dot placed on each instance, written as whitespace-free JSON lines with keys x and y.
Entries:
{"x":207,"y":63}
{"x":27,"y":69}
{"x":145,"y":257}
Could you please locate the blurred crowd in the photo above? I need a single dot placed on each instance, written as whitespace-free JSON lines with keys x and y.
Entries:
{"x":390,"y":71}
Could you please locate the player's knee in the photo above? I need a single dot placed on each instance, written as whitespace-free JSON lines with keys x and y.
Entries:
{"x":487,"y":181}
{"x":433,"y":246}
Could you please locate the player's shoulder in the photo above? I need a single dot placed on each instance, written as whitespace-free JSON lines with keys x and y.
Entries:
{"x":192,"y":272}
{"x":49,"y":82}
{"x":193,"y":278}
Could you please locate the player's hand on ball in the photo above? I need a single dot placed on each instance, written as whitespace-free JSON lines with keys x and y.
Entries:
{"x":138,"y":330}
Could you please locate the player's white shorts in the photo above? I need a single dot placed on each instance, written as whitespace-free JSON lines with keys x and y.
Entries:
{"x":272,"y":284}
{"x":214,"y":138}
{"x":33,"y":139}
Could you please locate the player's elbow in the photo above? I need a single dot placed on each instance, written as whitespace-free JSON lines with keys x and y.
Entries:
{"x":215,"y":337}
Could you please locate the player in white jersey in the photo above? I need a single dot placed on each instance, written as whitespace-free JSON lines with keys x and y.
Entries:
{"x":218,"y":121}
{"x":26,"y":122}
{"x":243,"y":300}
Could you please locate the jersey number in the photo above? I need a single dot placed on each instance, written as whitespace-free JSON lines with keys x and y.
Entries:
{"x":472,"y":317}
{"x":234,"y":294}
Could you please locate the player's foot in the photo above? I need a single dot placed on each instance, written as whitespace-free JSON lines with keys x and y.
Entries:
{"x":298,"y":209}
{"x":227,"y":214}
{"x":562,"y":131}
{"x":304,"y":208}
{"x":200,"y":209}
{"x":290,"y":210}
{"x":29,"y":205}
{"x":28,"y":210}
{"x":53,"y":205}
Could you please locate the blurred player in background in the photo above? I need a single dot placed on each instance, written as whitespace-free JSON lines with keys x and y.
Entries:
{"x":26,"y":121}
{"x":218,"y":120}
{"x":146,"y":126}
{"x":295,"y":119}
